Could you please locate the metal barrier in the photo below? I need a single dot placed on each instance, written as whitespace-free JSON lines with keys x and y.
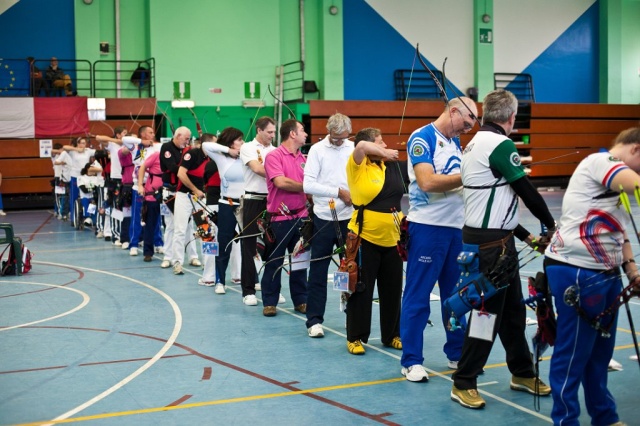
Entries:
{"x":115,"y":79}
{"x":137,"y":78}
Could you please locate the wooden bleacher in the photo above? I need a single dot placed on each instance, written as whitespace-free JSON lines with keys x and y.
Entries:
{"x":553,"y":130}
{"x":24,"y":173}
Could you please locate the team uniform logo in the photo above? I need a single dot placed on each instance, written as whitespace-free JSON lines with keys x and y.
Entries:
{"x":187,"y":157}
{"x":167,"y":154}
{"x":515,"y":159}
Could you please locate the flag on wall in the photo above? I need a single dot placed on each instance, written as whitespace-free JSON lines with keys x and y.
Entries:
{"x":14,"y":77}
{"x":16,"y":118}
{"x":61,"y":116}
{"x":43,"y":117}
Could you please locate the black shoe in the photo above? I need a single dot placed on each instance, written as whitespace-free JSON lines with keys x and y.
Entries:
{"x":107,"y":238}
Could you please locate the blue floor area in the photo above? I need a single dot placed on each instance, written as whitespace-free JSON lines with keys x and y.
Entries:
{"x":94,"y":335}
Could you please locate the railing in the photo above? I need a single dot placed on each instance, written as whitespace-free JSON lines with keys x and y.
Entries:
{"x":521,"y":85}
{"x":137,"y":77}
{"x":100,"y":79}
{"x":418,"y":84}
{"x":293,"y":82}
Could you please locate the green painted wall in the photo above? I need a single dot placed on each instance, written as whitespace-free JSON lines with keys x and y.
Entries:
{"x":484,"y":63}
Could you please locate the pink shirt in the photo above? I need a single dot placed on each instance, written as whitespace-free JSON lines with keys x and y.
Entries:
{"x":126,"y":162}
{"x":154,"y":181}
{"x":280,"y":162}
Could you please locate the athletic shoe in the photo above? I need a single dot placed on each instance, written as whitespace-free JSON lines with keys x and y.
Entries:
{"x":531,"y":385}
{"x":165,"y":264}
{"x":281,"y":299}
{"x":99,"y":234}
{"x":206,"y":283}
{"x":133,"y":251}
{"x":269,"y":311}
{"x":396,"y":343}
{"x":107,"y":238}
{"x":125,"y":246}
{"x":177,"y":269}
{"x":195,"y":262}
{"x":469,"y":398}
{"x":614,"y":365}
{"x":250,"y":300}
{"x":2,"y":213}
{"x":258,"y":287}
{"x":302,"y":308}
{"x":220,"y":289}
{"x":316,"y":330}
{"x":117,"y":243}
{"x":355,"y":348}
{"x":159,"y":250}
{"x":148,"y":258}
{"x":88,"y":222}
{"x":415,"y":373}
{"x":452,"y":365}
{"x":235,"y":280}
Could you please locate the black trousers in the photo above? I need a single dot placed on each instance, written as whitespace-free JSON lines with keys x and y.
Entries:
{"x":248,"y":274}
{"x":384,"y":265}
{"x":510,"y":321}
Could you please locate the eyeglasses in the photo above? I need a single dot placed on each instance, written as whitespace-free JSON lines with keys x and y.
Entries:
{"x":336,"y":140}
{"x":467,"y":125}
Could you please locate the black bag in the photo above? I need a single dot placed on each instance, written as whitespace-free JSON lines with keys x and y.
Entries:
{"x":140,"y":76}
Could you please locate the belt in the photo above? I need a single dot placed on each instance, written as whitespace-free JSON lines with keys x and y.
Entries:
{"x":254,"y":196}
{"x":291,"y":213}
{"x":498,"y":243}
{"x":230,"y":201}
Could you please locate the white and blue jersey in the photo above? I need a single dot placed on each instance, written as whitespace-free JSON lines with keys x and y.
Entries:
{"x":429,"y":145}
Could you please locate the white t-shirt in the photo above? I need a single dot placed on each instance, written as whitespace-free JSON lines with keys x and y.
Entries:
{"x":62,"y":171}
{"x":116,"y":168}
{"x":590,"y":231}
{"x":324,"y":174}
{"x":250,"y":151}
{"x":79,"y":160}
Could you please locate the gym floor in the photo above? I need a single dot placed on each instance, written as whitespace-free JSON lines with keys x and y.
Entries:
{"x":94,"y":335}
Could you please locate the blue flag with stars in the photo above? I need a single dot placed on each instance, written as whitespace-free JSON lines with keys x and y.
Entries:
{"x":14,"y":77}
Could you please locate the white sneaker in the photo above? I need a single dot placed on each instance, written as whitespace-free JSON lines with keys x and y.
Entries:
{"x":452,"y":365}
{"x":177,"y":269}
{"x":281,"y":299}
{"x":133,"y":251}
{"x":220,"y":289}
{"x":195,"y":262}
{"x":206,"y":283}
{"x":159,"y":250}
{"x":2,"y":213}
{"x":88,"y":222}
{"x":165,"y":264}
{"x":117,"y":243}
{"x":316,"y":330}
{"x":125,"y":246}
{"x":250,"y":300}
{"x":235,"y":280}
{"x":258,"y":287}
{"x":99,"y":234}
{"x":614,"y":365}
{"x":415,"y":373}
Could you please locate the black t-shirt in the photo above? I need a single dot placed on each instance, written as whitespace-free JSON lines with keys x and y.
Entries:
{"x":170,"y":156}
{"x":193,"y":160}
{"x":212,"y":189}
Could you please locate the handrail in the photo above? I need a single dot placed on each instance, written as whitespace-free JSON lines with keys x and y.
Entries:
{"x":92,"y":80}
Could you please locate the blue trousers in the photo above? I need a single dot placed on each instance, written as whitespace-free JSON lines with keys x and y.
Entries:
{"x":433,"y":251}
{"x":581,"y":354}
{"x":135,"y":226}
{"x":151,"y":226}
{"x":287,"y":235}
{"x":324,"y":239}
{"x":74,"y":193}
{"x":226,"y":230}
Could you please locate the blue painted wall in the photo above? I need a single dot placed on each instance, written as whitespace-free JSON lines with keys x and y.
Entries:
{"x":38,"y":28}
{"x":567,"y":71}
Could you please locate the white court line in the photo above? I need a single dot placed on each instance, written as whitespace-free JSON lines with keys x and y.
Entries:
{"x":85,"y":301}
{"x":165,"y":348}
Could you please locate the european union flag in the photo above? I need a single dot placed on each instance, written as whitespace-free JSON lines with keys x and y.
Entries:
{"x":14,"y":77}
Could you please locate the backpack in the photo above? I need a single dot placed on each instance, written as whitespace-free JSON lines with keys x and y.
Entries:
{"x":9,"y":267}
{"x":140,"y":76}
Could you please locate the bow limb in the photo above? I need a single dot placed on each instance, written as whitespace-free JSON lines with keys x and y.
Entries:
{"x":443,"y":93}
{"x":135,"y":120}
{"x":164,"y":115}
{"x":195,"y":117}
{"x":281,"y":102}
{"x":241,"y":237}
{"x":255,"y":116}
